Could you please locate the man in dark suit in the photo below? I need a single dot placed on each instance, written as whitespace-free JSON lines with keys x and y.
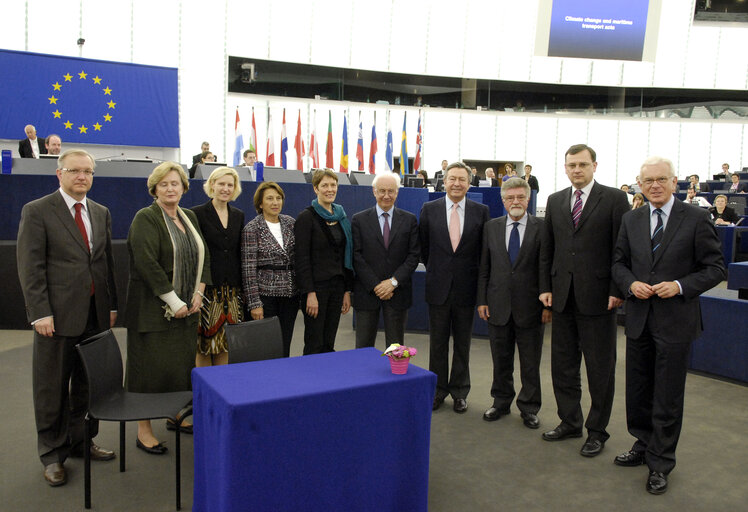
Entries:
{"x":666,"y":256}
{"x":530,"y":179}
{"x":385,"y":255}
{"x":583,"y":222}
{"x":196,"y":159}
{"x":514,"y":271}
{"x":474,"y":178}
{"x":736,"y":187}
{"x":65,"y":267}
{"x":450,"y":232}
{"x":32,"y":146}
{"x":699,"y":187}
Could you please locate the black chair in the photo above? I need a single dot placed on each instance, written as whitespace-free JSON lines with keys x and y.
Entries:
{"x":108,"y":401}
{"x":737,"y":203}
{"x":257,"y":340}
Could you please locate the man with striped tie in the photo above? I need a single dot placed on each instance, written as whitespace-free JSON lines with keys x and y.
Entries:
{"x":667,"y":255}
{"x":583,"y":222}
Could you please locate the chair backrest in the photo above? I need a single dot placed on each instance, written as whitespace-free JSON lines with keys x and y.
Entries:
{"x":737,"y":203}
{"x":254,"y":341}
{"x":103,"y":364}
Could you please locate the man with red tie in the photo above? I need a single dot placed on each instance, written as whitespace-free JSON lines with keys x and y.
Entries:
{"x":65,"y":267}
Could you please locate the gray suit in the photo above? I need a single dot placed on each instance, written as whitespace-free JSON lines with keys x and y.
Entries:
{"x":56,"y":272}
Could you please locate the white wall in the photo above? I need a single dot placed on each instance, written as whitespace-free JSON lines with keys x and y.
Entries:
{"x":492,"y":39}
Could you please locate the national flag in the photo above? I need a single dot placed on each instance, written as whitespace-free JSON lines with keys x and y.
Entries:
{"x":360,"y":145}
{"x":373,"y":148}
{"x":298,"y":145}
{"x":404,"y":149}
{"x":253,"y":134}
{"x":313,"y":149}
{"x":270,"y":160}
{"x":388,"y":159}
{"x":344,"y":147}
{"x":328,"y":150}
{"x":239,"y":140}
{"x":284,"y":142}
{"x":419,"y":143}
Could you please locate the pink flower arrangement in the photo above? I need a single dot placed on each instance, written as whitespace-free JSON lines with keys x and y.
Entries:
{"x":397,"y":351}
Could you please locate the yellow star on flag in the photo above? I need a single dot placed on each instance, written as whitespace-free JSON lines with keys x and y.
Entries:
{"x":52,"y":100}
{"x":68,"y":77}
{"x":111,"y":104}
{"x":107,"y":117}
{"x":97,"y":127}
{"x":97,"y":80}
{"x":83,"y":128}
{"x":107,"y":91}
{"x":68,"y":125}
{"x":57,"y":86}
{"x":83,"y":75}
{"x":57,"y":114}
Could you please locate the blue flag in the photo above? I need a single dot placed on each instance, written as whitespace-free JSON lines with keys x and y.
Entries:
{"x":88,"y":101}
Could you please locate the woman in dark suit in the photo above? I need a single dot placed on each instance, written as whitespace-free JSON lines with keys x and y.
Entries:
{"x":221,"y":225}
{"x":169,"y":269}
{"x":723,"y":215}
{"x":268,"y":248}
{"x":324,"y":264}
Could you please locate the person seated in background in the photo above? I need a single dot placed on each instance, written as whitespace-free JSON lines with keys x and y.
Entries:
{"x":250,"y":159}
{"x":205,"y":156}
{"x":725,"y":170}
{"x":474,"y":178}
{"x":637,"y":201}
{"x":692,"y":198}
{"x":629,"y":196}
{"x":723,"y":215}
{"x":490,"y":175}
{"x":53,"y":143}
{"x":423,"y":174}
{"x":699,"y":187}
{"x":205,"y":146}
{"x":440,"y":172}
{"x":737,"y":187}
{"x":32,"y":146}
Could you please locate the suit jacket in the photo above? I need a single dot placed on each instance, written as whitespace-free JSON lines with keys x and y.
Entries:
{"x":56,"y":268}
{"x":446,"y":269}
{"x":24,"y":149}
{"x":533,"y":182}
{"x":728,"y":214}
{"x":512,"y":290}
{"x":224,"y":244}
{"x":690,"y":253}
{"x":474,"y":180}
{"x":372,"y":263}
{"x":583,"y":255}
{"x":742,"y":187}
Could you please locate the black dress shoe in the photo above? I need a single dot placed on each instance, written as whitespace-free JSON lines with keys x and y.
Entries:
{"x":530,"y":420}
{"x":656,"y":483}
{"x":97,"y":453}
{"x":158,"y":449}
{"x":592,"y":447}
{"x":460,"y":405}
{"x":54,"y":474}
{"x":437,"y":403}
{"x":185,"y":429}
{"x":630,"y":458}
{"x":563,"y":431}
{"x":493,"y":414}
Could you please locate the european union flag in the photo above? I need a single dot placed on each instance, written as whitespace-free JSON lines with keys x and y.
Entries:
{"x":88,"y":101}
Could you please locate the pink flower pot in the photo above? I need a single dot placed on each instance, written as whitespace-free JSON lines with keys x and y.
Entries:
{"x":399,"y":366}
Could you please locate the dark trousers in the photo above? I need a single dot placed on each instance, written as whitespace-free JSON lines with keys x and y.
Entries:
{"x":367,"y":323}
{"x":529,"y":342}
{"x":457,"y":320}
{"x":60,"y":393}
{"x":286,"y":309}
{"x":655,"y":386}
{"x":594,"y":336}
{"x":319,"y":333}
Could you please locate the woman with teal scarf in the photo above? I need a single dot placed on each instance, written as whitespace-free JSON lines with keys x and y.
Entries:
{"x":324,"y":264}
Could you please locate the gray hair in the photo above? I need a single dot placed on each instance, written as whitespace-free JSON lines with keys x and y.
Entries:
{"x":656,"y":160}
{"x":78,"y":152}
{"x":396,"y":177}
{"x":515,"y":183}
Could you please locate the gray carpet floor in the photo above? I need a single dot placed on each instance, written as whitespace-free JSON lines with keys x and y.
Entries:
{"x":475,"y":465}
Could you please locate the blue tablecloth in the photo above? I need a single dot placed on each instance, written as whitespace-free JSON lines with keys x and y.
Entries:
{"x":737,"y":275}
{"x":327,"y":432}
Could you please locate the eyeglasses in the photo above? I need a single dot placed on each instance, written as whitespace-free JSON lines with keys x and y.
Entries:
{"x":85,"y":172}
{"x":511,"y":199}
{"x":662,"y":180}
{"x":582,"y":165}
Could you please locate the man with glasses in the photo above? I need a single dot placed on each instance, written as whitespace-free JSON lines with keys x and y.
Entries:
{"x":667,"y":255}
{"x":385,"y":255}
{"x":582,"y":223}
{"x":514,"y":271}
{"x":65,"y":267}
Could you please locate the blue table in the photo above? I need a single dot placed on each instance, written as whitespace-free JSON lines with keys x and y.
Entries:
{"x":323,"y":432}
{"x":737,"y":275}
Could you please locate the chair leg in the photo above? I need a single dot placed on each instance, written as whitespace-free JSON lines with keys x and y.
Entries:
{"x":121,"y":446}
{"x":87,"y":461}
{"x":179,"y":468}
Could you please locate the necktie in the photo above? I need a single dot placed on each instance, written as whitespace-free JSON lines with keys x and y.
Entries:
{"x":386,"y":230}
{"x":658,"y":232}
{"x":576,"y":211}
{"x":454,"y":228}
{"x":82,"y":229}
{"x":514,"y":243}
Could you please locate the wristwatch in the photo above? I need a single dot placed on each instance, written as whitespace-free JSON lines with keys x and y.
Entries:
{"x":393,"y":281}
